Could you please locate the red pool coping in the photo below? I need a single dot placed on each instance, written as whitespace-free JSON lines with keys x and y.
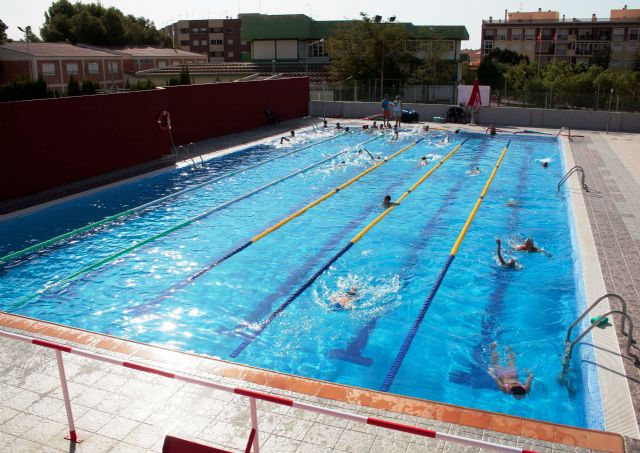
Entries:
{"x":475,"y":418}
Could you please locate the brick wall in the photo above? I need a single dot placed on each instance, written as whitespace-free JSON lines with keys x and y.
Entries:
{"x":58,"y":141}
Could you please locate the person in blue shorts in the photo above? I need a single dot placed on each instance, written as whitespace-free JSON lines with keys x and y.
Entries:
{"x":386,"y":110}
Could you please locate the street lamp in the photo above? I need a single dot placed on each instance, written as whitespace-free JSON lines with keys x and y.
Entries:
{"x":609,"y":114}
{"x":306,"y":60}
{"x":378,"y":20}
{"x":26,"y":39}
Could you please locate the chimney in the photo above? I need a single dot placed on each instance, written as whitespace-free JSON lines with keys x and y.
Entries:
{"x":490,"y":19}
{"x":625,"y":7}
{"x":505,"y":15}
{"x":539,"y":10}
{"x":594,"y":18}
{"x":563,"y":18}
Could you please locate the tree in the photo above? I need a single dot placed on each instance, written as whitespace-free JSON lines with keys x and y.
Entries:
{"x":636,"y":60}
{"x":185,"y":78}
{"x":88,"y":87}
{"x":489,"y":73}
{"x":507,"y":56}
{"x":602,"y":57}
{"x":3,"y":32}
{"x":429,"y":65}
{"x":358,"y":49}
{"x":73,"y":87}
{"x":92,"y":23}
{"x":23,"y":88}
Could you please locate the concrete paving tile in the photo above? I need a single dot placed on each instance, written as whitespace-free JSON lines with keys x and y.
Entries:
{"x":145,"y":436}
{"x":118,"y":427}
{"x":93,"y":420}
{"x":277,"y":444}
{"x":323,"y":435}
{"x":21,"y":423}
{"x":355,"y":441}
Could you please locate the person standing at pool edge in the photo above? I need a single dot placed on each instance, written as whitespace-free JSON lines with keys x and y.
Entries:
{"x":386,"y":110}
{"x":397,"y":110}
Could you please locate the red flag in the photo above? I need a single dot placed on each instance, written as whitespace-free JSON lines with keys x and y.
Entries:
{"x":555,"y":36}
{"x":474,"y":99}
{"x":539,"y":37}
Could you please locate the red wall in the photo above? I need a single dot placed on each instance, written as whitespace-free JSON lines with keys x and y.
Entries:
{"x":51,"y":142}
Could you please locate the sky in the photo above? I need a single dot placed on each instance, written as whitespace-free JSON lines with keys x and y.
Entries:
{"x":421,"y":12}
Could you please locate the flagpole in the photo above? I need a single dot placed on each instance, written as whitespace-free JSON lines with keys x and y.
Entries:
{"x":539,"y":47}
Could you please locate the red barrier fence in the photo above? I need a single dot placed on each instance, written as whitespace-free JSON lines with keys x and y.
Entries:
{"x":50,"y":142}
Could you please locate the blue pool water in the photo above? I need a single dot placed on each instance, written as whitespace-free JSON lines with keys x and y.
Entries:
{"x":145,"y":295}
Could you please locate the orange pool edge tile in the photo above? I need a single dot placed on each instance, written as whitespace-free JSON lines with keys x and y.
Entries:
{"x":474,"y":418}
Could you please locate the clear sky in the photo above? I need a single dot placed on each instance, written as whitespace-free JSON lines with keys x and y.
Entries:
{"x":470,"y":13}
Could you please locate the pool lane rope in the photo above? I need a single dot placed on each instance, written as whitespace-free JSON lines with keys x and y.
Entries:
{"x":298,"y":213}
{"x":183,"y":224}
{"x":263,"y":325}
{"x":54,"y":240}
{"x":406,"y":344}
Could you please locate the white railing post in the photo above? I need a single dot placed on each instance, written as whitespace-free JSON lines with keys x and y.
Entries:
{"x":73,"y":437}
{"x":254,"y":425}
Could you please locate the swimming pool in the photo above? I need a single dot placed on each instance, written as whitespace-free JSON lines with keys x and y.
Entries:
{"x":150,"y":294}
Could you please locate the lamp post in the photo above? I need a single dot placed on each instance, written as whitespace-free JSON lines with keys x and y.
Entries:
{"x":378,"y":20}
{"x":26,"y":39}
{"x":609,"y":114}
{"x":306,"y":60}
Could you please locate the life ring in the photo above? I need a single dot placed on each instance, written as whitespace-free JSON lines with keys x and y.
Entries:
{"x":164,"y":121}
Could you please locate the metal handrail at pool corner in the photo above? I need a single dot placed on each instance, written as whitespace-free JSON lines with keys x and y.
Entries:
{"x":572,"y":170}
{"x":253,"y":395}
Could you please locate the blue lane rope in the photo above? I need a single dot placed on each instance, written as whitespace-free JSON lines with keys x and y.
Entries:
{"x":395,"y":366}
{"x":286,"y":303}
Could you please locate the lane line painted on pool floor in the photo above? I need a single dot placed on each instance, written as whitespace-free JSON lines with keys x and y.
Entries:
{"x":174,"y":228}
{"x":354,"y":348}
{"x":298,"y":213}
{"x":263,"y":325}
{"x":404,"y":348}
{"x":111,"y":218}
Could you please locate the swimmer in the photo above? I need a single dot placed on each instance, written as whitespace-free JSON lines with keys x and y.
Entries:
{"x":283,"y":139}
{"x":446,"y":140}
{"x":457,"y":131}
{"x":367,"y":151}
{"x":344,"y":300}
{"x":324,"y":123}
{"x":375,"y":125}
{"x":293,"y":134}
{"x":346,"y":129}
{"x":423,"y":162}
{"x":475,"y":171}
{"x":338,"y":126}
{"x":511,"y":264}
{"x":529,"y":246}
{"x":507,"y":377}
{"x":387,"y":203}
{"x":365,"y":127}
{"x":513,"y":203}
{"x":545,"y":164}
{"x":491,"y":129}
{"x":425,"y":128}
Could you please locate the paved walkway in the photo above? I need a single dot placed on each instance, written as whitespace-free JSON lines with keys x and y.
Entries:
{"x":612,"y":166}
{"x":123,"y":411}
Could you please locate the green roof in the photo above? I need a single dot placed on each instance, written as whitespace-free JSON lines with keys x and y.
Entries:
{"x":439,"y":31}
{"x":301,"y":26}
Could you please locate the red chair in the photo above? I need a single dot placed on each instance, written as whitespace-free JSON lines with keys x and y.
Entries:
{"x":178,"y":445}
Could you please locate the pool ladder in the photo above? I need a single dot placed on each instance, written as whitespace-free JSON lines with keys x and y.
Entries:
{"x":575,"y":169}
{"x":191,"y":147}
{"x":569,"y":345}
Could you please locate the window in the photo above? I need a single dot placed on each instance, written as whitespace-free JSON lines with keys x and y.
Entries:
{"x":203,"y":30}
{"x":72,"y":68}
{"x":516,"y":34}
{"x":616,"y":47}
{"x":230,"y":42}
{"x":48,"y":69}
{"x":184,"y":30}
{"x":633,"y":34}
{"x":316,"y":50}
{"x":196,"y":42}
{"x":563,"y":34}
{"x":488,"y":47}
{"x":185,"y":43}
{"x":217,"y":54}
{"x":230,"y":54}
{"x":229,"y":30}
{"x":216,"y":42}
{"x":144,"y":61}
{"x":244,"y":43}
{"x":215,"y":30}
{"x":162,"y":64}
{"x":530,"y":34}
{"x":175,"y":62}
{"x":489,"y":34}
{"x":502,"y":35}
{"x":93,"y":68}
{"x":528,"y":47}
{"x":618,"y":34}
{"x":195,"y":30}
{"x":113,"y":67}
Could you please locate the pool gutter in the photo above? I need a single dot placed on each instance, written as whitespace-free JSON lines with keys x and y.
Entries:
{"x":617,"y":405}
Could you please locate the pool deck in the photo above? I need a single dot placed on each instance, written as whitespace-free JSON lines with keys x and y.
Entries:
{"x":120,"y":410}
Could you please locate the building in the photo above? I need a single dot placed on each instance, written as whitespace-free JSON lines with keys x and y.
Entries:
{"x":58,"y":62}
{"x":140,"y":58}
{"x":544,"y":36}
{"x":218,"y":39}
{"x":474,"y":58}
